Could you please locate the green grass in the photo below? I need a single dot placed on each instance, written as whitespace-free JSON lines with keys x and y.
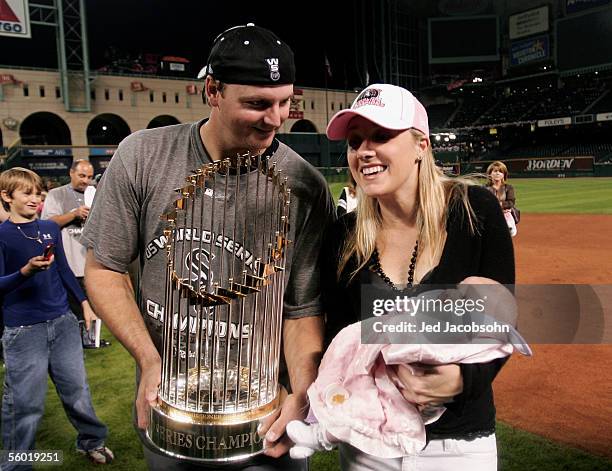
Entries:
{"x":336,"y":189}
{"x":564,"y":195}
{"x":520,"y":450}
{"x":554,"y":195}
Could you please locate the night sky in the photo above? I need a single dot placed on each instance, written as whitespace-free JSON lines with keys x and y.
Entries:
{"x":183,"y":28}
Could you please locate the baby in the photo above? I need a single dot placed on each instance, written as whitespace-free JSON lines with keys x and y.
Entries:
{"x":357,"y":396}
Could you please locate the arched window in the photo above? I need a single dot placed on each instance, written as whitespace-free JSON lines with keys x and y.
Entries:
{"x":107,"y":129}
{"x":303,"y":125}
{"x":44,"y":129}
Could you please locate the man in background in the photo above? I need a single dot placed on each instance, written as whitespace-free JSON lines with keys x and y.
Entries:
{"x":66,"y":206}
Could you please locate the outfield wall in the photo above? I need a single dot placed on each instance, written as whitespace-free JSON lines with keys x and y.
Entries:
{"x":540,"y":167}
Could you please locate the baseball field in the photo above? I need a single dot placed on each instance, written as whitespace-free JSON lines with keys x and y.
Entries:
{"x":554,"y":409}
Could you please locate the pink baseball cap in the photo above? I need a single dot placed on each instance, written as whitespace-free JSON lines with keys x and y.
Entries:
{"x":389,"y":106}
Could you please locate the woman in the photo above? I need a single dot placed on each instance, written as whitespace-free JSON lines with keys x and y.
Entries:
{"x":414,"y":225}
{"x":497,"y":174}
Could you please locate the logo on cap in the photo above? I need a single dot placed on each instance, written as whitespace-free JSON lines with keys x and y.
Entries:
{"x":273,"y":65}
{"x":370,"y":96}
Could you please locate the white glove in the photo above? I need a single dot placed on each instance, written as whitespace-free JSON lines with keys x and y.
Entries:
{"x":307,"y":439}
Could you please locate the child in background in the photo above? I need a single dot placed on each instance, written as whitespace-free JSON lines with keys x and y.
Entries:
{"x":41,"y":334}
{"x":39,"y":209}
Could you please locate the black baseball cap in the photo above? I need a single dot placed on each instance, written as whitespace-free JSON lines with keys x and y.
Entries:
{"x":250,"y":55}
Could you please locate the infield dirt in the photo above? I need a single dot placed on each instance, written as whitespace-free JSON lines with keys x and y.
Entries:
{"x":563,"y":392}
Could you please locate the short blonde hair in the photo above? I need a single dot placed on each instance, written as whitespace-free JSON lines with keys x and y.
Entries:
{"x":19,"y":178}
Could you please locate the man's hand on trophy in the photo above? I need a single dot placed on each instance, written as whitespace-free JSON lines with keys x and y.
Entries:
{"x":272,"y":428}
{"x":150,"y":378}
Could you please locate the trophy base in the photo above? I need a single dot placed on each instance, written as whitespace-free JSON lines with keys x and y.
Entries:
{"x":207,"y":437}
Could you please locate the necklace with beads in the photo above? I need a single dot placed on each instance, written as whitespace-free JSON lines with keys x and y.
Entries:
{"x":411,"y":269}
{"x":37,"y":238}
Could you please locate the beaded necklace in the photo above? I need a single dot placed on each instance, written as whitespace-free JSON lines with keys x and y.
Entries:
{"x":411,"y":269}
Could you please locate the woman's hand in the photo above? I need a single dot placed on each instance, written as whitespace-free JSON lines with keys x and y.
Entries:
{"x":430,"y":385}
{"x":36,"y":264}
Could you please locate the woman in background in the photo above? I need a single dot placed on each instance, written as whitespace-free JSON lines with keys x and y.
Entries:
{"x":497,"y":174}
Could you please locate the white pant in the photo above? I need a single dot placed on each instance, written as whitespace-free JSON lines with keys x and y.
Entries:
{"x":439,"y":455}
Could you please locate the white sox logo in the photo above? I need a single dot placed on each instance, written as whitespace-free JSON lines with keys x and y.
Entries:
{"x":197,"y":263}
{"x":273,"y":64}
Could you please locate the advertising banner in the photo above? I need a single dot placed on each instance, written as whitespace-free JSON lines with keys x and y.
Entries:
{"x":48,"y":166}
{"x":15,"y":19}
{"x":100,"y":162}
{"x":543,"y":123}
{"x":540,"y":167}
{"x":573,"y":6}
{"x":46,"y":152}
{"x":296,"y":107}
{"x":550,"y":165}
{"x":529,"y":50}
{"x":528,"y":22}
{"x":102,"y":151}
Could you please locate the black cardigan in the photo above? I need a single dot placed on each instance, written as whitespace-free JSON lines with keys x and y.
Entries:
{"x":488,"y":253}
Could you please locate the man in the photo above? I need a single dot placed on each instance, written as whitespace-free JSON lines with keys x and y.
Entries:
{"x":249,"y":85}
{"x":66,"y":206}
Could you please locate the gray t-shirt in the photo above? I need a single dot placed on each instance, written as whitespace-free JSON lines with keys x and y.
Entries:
{"x":138,"y":187}
{"x":59,"y":201}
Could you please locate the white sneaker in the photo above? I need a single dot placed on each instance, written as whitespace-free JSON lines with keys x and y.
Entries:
{"x":100,"y":455}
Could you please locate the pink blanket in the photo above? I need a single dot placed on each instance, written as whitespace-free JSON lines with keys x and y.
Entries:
{"x":357,"y":400}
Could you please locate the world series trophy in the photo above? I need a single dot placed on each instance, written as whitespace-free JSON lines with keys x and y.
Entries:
{"x":226,"y":252}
